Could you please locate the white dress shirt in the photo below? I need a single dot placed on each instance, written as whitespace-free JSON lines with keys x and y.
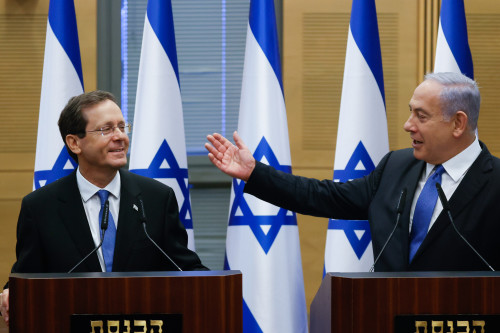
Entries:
{"x":455,"y":170}
{"x":92,"y":205}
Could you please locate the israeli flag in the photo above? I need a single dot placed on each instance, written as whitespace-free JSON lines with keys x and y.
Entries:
{"x":452,"y":48}
{"x":62,"y":79}
{"x":362,"y":138}
{"x":158,"y":148}
{"x":262,"y":239}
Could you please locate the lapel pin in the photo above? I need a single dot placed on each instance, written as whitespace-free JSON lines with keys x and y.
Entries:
{"x":135,"y":207}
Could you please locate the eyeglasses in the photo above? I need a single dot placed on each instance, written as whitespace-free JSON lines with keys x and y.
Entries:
{"x":108,"y":130}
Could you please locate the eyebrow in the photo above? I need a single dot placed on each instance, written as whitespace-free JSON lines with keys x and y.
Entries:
{"x":417,"y":109}
{"x":111,"y":124}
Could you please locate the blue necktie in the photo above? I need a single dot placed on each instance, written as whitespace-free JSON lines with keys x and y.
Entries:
{"x":423,"y":210}
{"x":108,"y":244}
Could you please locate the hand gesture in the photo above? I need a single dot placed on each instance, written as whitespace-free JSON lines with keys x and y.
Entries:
{"x":236,"y":161}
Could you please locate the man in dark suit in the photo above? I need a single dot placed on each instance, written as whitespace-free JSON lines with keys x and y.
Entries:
{"x":443,"y":118}
{"x":59,"y":224}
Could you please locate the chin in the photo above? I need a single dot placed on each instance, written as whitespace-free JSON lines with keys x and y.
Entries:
{"x":418,"y":155}
{"x":119,"y":164}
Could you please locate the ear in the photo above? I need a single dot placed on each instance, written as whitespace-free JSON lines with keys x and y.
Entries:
{"x":73,"y":142}
{"x":460,"y":122}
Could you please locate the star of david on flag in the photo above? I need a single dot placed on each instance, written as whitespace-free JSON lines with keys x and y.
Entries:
{"x":63,"y":166}
{"x":265,"y":228}
{"x":360,"y":164}
{"x":357,"y":231}
{"x":362,"y":138}
{"x":262,"y":240}
{"x":165,"y":166}
{"x":62,"y":79}
{"x":158,"y":147}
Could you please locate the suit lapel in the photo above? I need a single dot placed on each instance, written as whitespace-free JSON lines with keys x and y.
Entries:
{"x":75,"y":220}
{"x":476,"y":177}
{"x":128,"y":221}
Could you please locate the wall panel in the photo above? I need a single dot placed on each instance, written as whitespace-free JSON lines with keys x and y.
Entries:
{"x":484,"y":40}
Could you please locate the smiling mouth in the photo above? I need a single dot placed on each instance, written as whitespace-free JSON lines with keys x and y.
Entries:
{"x":116,"y":150}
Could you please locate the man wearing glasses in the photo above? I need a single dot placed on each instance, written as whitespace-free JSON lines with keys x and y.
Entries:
{"x":59,"y":224}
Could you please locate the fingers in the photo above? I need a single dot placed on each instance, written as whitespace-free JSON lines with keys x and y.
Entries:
{"x":219,"y":142}
{"x":214,"y":160}
{"x":4,"y":305}
{"x":219,"y":145}
{"x":211,"y":149}
{"x":238,"y":141}
{"x":215,"y":150}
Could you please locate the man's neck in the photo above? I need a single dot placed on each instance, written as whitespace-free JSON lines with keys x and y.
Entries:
{"x":465,"y":143}
{"x":99,"y":179}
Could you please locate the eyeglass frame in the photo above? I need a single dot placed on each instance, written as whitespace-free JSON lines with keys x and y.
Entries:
{"x":124,"y":128}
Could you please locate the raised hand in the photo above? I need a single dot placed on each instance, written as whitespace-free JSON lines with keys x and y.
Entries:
{"x":235,"y":160}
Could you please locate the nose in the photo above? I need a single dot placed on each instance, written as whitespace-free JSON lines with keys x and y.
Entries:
{"x":117,"y":133}
{"x":408,"y":125}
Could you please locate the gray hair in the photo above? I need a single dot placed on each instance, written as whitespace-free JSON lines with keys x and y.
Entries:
{"x":459,"y":93}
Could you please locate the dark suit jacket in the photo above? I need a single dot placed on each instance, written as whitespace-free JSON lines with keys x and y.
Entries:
{"x":53,"y":233}
{"x":475,"y":207}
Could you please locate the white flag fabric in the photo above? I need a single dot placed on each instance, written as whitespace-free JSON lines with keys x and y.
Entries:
{"x":262,"y":239}
{"x":362,"y":138}
{"x":62,"y":79}
{"x":158,"y":148}
{"x":452,"y":48}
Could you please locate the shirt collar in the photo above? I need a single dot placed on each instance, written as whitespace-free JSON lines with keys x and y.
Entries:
{"x":458,"y":165}
{"x":87,"y":189}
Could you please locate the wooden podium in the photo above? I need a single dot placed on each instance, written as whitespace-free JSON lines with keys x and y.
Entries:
{"x":207,"y":301}
{"x":370,"y":302}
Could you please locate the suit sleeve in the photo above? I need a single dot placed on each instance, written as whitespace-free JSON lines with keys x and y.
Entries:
{"x":28,"y":250}
{"x":308,"y":196}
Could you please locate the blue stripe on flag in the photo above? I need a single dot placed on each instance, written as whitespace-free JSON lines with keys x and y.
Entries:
{"x":262,"y":22}
{"x":62,"y":20}
{"x":454,"y":25}
{"x":162,"y":21}
{"x":364,"y":29}
{"x":249,"y":322}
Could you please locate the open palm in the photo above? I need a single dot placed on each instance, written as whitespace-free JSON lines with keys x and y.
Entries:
{"x":235,"y":160}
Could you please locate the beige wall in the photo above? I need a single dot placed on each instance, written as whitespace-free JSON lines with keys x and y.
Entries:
{"x":22,"y":44}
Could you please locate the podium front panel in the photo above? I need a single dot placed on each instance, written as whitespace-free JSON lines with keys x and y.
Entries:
{"x":208,"y":301}
{"x":370,"y":302}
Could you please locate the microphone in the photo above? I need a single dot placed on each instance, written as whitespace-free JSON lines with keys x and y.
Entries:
{"x":399,"y":209}
{"x":104,"y":227}
{"x":143,"y":220}
{"x":446,"y":207}
{"x":105,"y":217}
